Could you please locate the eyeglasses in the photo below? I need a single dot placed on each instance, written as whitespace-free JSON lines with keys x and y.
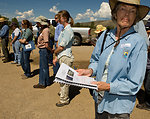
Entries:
{"x":22,"y":23}
{"x":56,"y":18}
{"x":123,"y":10}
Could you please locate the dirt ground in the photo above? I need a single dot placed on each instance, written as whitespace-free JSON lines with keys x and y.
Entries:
{"x":19,"y":100}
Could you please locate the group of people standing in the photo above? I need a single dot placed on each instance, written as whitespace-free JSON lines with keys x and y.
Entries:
{"x":62,"y":40}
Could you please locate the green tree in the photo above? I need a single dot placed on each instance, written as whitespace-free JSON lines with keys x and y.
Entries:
{"x":77,"y":24}
{"x":92,"y":25}
{"x":15,"y":20}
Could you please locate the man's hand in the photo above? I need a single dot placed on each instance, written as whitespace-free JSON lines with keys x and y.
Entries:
{"x":84,"y":72}
{"x":102,"y":86}
{"x":54,"y":61}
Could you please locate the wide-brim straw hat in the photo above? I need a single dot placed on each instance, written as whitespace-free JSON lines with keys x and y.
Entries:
{"x":3,"y":19}
{"x":143,"y":10}
{"x":42,"y":20}
{"x":99,"y":28}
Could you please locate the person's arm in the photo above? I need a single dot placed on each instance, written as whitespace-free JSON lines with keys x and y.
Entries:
{"x":45,"y":34}
{"x":4,"y":30}
{"x":27,"y":35}
{"x":56,"y":34}
{"x":48,"y":47}
{"x":15,"y":38}
{"x":22,"y":41}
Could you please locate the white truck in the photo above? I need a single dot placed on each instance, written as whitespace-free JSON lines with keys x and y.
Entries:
{"x":81,"y":35}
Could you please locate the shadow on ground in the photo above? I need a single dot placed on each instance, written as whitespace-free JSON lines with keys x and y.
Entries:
{"x":35,"y":72}
{"x":74,"y":91}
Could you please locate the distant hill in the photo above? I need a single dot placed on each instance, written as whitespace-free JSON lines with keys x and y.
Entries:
{"x":107,"y":23}
{"x":93,"y":24}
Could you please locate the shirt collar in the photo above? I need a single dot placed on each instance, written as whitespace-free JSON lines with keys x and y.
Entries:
{"x":68,"y":26}
{"x":130,"y":31}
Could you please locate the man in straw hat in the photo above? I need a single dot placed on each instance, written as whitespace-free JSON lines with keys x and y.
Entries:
{"x":120,"y":68}
{"x":99,"y":30}
{"x":4,"y":34}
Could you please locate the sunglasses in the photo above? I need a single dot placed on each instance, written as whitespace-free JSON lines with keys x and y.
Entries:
{"x":56,"y":18}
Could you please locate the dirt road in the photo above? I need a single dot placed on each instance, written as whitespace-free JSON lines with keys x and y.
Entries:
{"x":19,"y":100}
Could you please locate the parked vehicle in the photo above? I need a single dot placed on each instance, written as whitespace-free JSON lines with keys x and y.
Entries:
{"x":81,"y":35}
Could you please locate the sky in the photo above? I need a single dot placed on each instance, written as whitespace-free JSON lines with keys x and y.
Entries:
{"x":80,"y":10}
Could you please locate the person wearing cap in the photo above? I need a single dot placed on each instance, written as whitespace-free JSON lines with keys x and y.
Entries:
{"x":120,"y":68}
{"x":27,"y":36}
{"x":146,"y":104}
{"x":44,"y":46}
{"x":4,"y":34}
{"x":99,"y":30}
{"x":16,"y":35}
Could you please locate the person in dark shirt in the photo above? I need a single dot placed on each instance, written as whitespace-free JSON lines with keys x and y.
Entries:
{"x":4,"y":34}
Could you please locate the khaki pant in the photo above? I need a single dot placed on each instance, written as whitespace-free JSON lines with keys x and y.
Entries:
{"x":64,"y":88}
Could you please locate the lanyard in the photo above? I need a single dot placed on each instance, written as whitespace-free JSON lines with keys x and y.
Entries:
{"x":119,"y":40}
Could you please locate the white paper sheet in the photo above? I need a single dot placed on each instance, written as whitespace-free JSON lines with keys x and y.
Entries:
{"x":69,"y":76}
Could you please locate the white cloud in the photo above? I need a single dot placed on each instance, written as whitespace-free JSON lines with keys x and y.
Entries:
{"x":92,"y":19}
{"x":25,"y":15}
{"x":54,"y":10}
{"x":103,"y":12}
{"x":86,"y":15}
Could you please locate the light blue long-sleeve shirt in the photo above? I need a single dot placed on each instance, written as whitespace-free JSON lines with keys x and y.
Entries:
{"x":126,"y":70}
{"x":58,"y":29}
{"x":4,"y":32}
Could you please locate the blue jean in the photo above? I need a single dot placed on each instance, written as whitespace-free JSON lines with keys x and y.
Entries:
{"x":44,"y":68}
{"x":17,"y":53}
{"x":25,"y":62}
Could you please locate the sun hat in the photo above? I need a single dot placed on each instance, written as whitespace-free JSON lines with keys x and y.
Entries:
{"x":143,"y":10}
{"x":99,"y":28}
{"x":42,"y":20}
{"x":2,"y":19}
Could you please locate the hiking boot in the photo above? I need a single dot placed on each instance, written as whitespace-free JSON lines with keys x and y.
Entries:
{"x":60,"y":104}
{"x":143,"y":106}
{"x":39,"y":86}
{"x":5,"y":61}
{"x":18,"y":65}
{"x":24,"y":77}
{"x":13,"y":62}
